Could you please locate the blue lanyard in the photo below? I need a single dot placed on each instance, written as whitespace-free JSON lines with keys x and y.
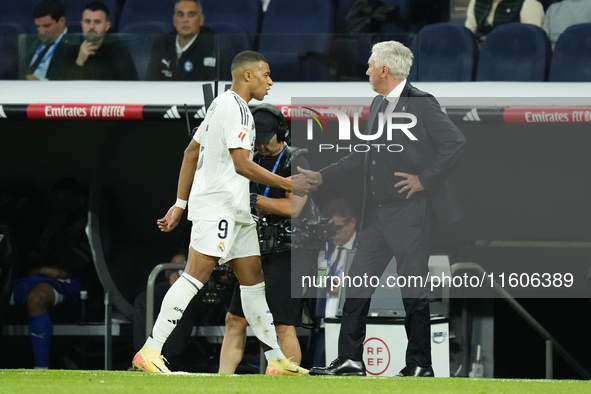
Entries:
{"x":47,"y":55}
{"x":268,"y":188}
{"x":328,"y":265}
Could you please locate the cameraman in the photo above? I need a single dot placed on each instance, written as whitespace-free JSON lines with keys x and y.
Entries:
{"x":273,"y":206}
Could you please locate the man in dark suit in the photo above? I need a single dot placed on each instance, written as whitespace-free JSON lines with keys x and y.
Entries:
{"x":401,"y":190}
{"x":45,"y":53}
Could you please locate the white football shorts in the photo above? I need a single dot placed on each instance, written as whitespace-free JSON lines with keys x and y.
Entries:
{"x":225,"y":239}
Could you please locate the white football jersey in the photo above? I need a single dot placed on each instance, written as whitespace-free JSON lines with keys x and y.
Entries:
{"x":218,"y":191}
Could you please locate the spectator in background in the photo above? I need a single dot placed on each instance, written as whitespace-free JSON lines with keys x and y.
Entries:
{"x":485,"y":15}
{"x":101,"y":56}
{"x":45,"y":53}
{"x":566,"y":13}
{"x":52,"y":273}
{"x":189,"y":54}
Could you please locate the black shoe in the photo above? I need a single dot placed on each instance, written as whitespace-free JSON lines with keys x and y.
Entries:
{"x":415,"y":370}
{"x":341,"y":366}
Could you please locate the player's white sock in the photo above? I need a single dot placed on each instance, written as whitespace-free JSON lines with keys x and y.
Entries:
{"x":256,"y":311}
{"x":173,"y":306}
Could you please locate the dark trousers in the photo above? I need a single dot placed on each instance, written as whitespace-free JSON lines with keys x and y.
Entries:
{"x":402,"y":231}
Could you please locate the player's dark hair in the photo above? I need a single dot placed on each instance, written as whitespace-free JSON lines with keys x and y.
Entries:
{"x":53,"y":8}
{"x":97,"y":6}
{"x":246,"y":57}
{"x":339,"y":207}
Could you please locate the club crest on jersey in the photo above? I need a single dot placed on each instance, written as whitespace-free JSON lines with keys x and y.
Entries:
{"x":221,"y":247}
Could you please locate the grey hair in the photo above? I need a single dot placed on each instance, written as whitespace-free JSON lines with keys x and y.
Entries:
{"x":194,"y":1}
{"x":396,"y":56}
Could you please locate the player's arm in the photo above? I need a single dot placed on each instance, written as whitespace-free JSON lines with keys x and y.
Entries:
{"x":250,"y":170}
{"x":290,"y":206}
{"x":188,"y":168}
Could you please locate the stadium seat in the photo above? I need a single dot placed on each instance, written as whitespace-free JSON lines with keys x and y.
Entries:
{"x":515,"y":52}
{"x":147,"y":28}
{"x":243,"y":13}
{"x":74,"y":13}
{"x":19,"y":12}
{"x":135,"y":11}
{"x":446,"y":52}
{"x":295,"y":37}
{"x":232,"y":40}
{"x":9,"y":32}
{"x":139,"y":37}
{"x":571,"y":61}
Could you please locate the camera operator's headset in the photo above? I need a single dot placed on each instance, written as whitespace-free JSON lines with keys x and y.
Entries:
{"x":283,"y":133}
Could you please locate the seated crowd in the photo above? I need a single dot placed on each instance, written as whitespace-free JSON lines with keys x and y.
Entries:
{"x":192,"y":51}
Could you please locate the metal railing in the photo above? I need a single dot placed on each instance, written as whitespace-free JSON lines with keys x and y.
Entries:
{"x":551,"y":343}
{"x":150,"y":291}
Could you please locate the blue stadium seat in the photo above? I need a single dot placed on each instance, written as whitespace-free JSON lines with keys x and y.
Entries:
{"x":147,"y":28}
{"x":571,"y":61}
{"x":294,"y":38}
{"x":18,"y":11}
{"x":135,"y":11}
{"x":446,"y":53}
{"x":9,"y":32}
{"x":232,"y":40}
{"x":74,"y":13}
{"x":515,"y":52}
{"x":139,"y":37}
{"x":243,"y":13}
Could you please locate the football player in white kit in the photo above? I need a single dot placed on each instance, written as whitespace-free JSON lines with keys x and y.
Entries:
{"x":214,"y":178}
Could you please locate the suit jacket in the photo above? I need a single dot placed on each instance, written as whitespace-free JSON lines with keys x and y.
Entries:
{"x":432,"y":157}
{"x":57,"y":65}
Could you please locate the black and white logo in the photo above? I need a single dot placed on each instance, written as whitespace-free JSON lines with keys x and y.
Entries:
{"x":472,"y":116}
{"x":172,"y":113}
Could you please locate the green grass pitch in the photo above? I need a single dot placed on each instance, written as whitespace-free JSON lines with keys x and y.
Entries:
{"x":19,"y":381}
